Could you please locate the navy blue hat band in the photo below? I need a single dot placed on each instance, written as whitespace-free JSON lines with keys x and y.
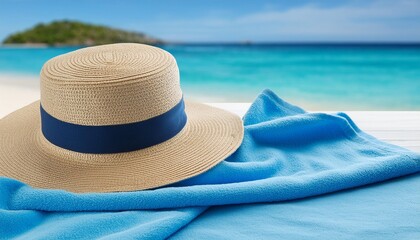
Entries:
{"x":114,"y":138}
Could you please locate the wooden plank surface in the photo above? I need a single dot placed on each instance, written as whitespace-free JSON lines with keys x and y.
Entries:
{"x":401,"y":128}
{"x":397,"y":127}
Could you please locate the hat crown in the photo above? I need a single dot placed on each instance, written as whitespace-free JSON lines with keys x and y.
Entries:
{"x":110,"y":84}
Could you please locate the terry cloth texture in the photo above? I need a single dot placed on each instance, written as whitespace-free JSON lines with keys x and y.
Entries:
{"x":283,"y":182}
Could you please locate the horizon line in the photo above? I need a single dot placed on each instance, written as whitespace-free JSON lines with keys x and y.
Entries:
{"x":243,"y":43}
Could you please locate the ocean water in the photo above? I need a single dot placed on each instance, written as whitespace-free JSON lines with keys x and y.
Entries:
{"x":316,"y":76}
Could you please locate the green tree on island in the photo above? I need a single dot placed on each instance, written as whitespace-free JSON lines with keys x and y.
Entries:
{"x":76,"y":33}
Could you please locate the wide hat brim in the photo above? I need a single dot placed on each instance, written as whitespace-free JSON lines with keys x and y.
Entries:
{"x":209,"y":136}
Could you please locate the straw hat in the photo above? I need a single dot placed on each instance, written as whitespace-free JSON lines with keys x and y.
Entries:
{"x":113,"y":118}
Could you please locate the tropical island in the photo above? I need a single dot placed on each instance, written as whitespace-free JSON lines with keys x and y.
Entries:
{"x":75,"y":33}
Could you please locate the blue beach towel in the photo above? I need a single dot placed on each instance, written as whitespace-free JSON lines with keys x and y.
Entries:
{"x":283,"y":182}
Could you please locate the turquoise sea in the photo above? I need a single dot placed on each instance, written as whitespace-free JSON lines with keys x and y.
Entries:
{"x":316,"y":76}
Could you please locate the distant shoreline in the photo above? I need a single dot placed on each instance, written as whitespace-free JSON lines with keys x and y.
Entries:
{"x":37,"y":45}
{"x":257,"y":44}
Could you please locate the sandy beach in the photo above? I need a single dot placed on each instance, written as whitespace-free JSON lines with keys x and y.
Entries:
{"x":17,"y":91}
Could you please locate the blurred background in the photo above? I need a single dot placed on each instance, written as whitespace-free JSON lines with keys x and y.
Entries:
{"x":322,"y":55}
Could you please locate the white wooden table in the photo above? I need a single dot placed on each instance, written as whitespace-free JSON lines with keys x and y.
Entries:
{"x":398,"y":127}
{"x":401,"y":128}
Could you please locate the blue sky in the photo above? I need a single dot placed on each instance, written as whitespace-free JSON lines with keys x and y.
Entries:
{"x":230,"y":20}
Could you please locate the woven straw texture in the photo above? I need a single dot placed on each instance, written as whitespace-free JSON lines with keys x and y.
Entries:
{"x":74,"y":89}
{"x":110,"y":84}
